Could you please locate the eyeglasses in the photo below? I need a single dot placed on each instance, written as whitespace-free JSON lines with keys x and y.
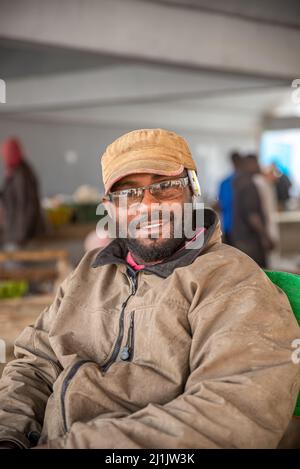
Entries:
{"x":165,"y":190}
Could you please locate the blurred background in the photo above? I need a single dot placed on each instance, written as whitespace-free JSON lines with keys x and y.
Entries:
{"x":77,"y":74}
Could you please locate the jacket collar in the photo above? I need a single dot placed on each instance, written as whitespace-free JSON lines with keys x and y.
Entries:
{"x":116,"y":251}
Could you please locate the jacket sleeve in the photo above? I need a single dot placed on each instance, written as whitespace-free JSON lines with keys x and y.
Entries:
{"x":27,"y":381}
{"x":242,"y":387}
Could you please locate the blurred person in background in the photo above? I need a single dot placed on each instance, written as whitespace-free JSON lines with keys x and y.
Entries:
{"x":21,"y":217}
{"x":250,"y":230}
{"x":267,"y":194}
{"x":283,"y":186}
{"x":226,"y":197}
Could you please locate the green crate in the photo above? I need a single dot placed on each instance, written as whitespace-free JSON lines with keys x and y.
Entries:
{"x":13,"y":289}
{"x":85,"y":213}
{"x":290,"y":284}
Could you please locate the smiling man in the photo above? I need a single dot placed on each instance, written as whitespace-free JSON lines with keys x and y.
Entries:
{"x":157,"y":212}
{"x":164,"y":339}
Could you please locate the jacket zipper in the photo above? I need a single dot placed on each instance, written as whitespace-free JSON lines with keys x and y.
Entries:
{"x":127,"y":350}
{"x":78,"y":364}
{"x":133,"y":281}
{"x":72,"y":372}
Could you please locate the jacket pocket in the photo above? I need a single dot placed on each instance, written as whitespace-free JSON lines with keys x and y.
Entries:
{"x":87,"y":393}
{"x":55,"y":419}
{"x":72,"y":371}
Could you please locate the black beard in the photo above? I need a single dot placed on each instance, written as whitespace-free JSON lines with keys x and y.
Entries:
{"x":158,"y":250}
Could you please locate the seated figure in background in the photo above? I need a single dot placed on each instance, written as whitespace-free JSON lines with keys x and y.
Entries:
{"x":21,"y":214}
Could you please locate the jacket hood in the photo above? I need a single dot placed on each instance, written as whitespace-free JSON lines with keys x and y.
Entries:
{"x":116,"y":251}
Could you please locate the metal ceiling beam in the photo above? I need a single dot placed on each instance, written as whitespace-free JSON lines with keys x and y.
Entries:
{"x":155,"y":32}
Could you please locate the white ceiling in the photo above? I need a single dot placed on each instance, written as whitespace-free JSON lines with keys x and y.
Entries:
{"x":241,"y":113}
{"x":20,"y":60}
{"x":56,"y":85}
{"x":269,"y":11}
{"x":134,"y":95}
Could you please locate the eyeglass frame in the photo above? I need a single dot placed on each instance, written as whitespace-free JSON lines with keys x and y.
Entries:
{"x":124,"y":193}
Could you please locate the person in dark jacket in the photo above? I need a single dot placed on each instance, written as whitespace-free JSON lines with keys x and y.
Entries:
{"x":249,"y":232}
{"x":22,"y":217}
{"x":283,"y":186}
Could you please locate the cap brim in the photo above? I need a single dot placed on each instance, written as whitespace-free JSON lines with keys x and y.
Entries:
{"x":153,"y":166}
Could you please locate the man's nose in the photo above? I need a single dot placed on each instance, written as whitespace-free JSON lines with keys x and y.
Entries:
{"x":148,"y":198}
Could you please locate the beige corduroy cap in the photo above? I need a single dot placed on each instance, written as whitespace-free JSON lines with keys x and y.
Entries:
{"x":155,"y":151}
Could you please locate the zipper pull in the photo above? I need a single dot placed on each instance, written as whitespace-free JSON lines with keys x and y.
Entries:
{"x":127,"y":349}
{"x":125,"y":353}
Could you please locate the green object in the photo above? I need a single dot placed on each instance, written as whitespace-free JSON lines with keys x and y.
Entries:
{"x":13,"y":289}
{"x":85,"y":212}
{"x":290,"y":284}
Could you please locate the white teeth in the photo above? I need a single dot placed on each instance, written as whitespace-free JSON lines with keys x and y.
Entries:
{"x":148,"y":227}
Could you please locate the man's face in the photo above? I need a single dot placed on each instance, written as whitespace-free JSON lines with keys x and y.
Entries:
{"x":158,"y":226}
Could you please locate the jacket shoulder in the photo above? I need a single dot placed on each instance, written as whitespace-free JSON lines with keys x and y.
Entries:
{"x":224,"y":269}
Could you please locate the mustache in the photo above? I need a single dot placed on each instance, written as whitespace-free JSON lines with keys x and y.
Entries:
{"x":157,"y":217}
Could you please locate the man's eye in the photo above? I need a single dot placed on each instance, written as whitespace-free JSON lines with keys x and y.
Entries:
{"x":131,"y":193}
{"x":165,"y":185}
{"x":161,"y":185}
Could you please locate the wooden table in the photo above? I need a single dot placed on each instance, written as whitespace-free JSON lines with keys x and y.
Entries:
{"x":15,"y":315}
